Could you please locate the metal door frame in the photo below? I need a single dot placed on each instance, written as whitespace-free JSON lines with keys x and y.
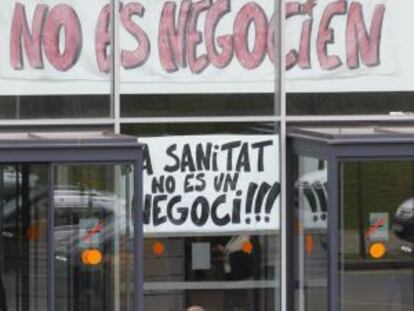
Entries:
{"x":111,"y":151}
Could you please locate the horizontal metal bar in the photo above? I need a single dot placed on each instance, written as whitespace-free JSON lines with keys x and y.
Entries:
{"x":215,"y":119}
{"x":220,"y":285}
{"x":223,"y":285}
{"x":205,"y":234}
{"x":69,"y":155}
{"x":336,"y":118}
{"x":56,"y":121}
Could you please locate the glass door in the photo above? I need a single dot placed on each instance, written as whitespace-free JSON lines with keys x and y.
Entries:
{"x":87,"y":231}
{"x":23,"y":237}
{"x":377,"y":235}
{"x":93,"y":238}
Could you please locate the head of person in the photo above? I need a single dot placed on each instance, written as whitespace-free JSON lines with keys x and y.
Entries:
{"x":195,"y":308}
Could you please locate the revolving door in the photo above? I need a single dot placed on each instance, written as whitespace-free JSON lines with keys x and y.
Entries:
{"x":351,"y":220}
{"x":70,"y":234}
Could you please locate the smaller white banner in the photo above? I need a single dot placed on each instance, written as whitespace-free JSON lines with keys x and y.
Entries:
{"x":214,"y":183}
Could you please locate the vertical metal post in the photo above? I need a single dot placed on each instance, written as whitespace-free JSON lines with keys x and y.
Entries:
{"x":291,"y":174}
{"x":18,"y":232}
{"x":115,"y":68}
{"x":289,"y":246}
{"x":138,"y":235}
{"x":50,"y":240}
{"x":25,"y":223}
{"x":333,"y":234}
{"x":2,"y":201}
{"x":280,"y":67}
{"x":116,"y":285}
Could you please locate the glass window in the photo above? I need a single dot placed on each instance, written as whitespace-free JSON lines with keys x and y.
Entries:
{"x":23,"y":238}
{"x":56,"y":60}
{"x":385,"y":103}
{"x":50,"y":107}
{"x":211,"y":105}
{"x":206,"y":59}
{"x":377,"y":236}
{"x":162,"y":129}
{"x":216,"y":270}
{"x":233,"y":279}
{"x":93,"y":238}
{"x":311,"y":235}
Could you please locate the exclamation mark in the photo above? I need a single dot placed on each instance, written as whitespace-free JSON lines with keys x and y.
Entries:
{"x":249,"y":200}
{"x":271,"y":199}
{"x":264,"y":188}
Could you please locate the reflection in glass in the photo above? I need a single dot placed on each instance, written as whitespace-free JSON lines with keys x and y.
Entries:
{"x":351,"y":103}
{"x":93,"y":236}
{"x":179,"y":105}
{"x":221,"y":273}
{"x":23,"y":238}
{"x":377,"y":245}
{"x":311,"y":242}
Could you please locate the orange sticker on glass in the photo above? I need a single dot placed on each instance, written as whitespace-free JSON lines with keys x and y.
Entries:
{"x":309,"y":244}
{"x":377,"y":250}
{"x":91,"y":257}
{"x":158,"y":248}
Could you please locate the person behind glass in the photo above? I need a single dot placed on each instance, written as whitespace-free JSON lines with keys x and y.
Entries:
{"x":195,"y":308}
{"x":240,"y":258}
{"x":238,"y":261}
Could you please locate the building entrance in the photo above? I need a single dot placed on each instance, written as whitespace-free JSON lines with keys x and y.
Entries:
{"x":353,"y":220}
{"x":70,"y":237}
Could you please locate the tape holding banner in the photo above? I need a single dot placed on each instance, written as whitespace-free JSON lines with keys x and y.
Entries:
{"x":211,"y":184}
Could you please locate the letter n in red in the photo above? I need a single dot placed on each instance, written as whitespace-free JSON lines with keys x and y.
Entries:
{"x":32,"y":41}
{"x":171,"y":39}
{"x":358,"y":42}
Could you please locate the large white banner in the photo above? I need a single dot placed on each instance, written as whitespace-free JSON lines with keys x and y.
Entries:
{"x":211,"y":184}
{"x":192,"y":42}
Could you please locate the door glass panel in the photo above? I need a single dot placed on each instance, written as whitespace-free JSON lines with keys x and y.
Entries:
{"x":23,"y":237}
{"x":377,"y":236}
{"x":310,"y":232}
{"x":93,"y":236}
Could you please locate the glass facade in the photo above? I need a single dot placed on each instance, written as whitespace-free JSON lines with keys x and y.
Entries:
{"x":243,"y":268}
{"x":186,"y":71}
